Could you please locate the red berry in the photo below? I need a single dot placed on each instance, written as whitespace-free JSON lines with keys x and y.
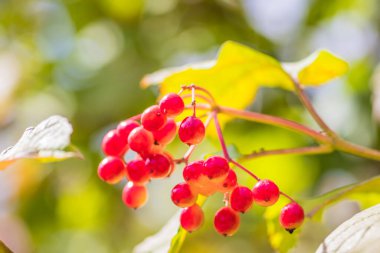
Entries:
{"x":159,"y":165}
{"x":216,"y":168}
{"x":125,"y":128}
{"x":226,"y":221}
{"x":113,"y":144}
{"x":152,"y":118}
{"x":191,"y":131}
{"x":111,"y":169}
{"x":182,"y":195}
{"x":265,"y":193}
{"x":166,"y":134}
{"x":192,"y":173}
{"x":292,"y":216}
{"x":172,"y":105}
{"x":172,"y":164}
{"x":134,"y":196}
{"x":192,"y":218}
{"x":141,"y":140}
{"x":229,"y":183}
{"x":137,"y":172}
{"x":241,"y":199}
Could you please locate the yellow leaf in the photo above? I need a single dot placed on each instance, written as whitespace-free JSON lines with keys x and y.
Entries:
{"x":233,"y":78}
{"x":318,"y":68}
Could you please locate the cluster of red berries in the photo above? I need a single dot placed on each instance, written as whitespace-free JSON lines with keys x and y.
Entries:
{"x":149,"y":139}
{"x":214,"y":175}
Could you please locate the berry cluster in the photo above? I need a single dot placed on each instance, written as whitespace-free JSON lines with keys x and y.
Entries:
{"x":148,"y":139}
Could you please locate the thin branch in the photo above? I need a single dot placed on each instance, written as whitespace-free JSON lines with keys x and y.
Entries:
{"x":308,"y":105}
{"x":275,"y":121}
{"x":225,"y":150}
{"x":321,"y":149}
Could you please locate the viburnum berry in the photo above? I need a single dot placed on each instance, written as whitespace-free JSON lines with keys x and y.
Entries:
{"x":229,"y":183}
{"x":159,"y":165}
{"x":216,"y":168}
{"x":172,"y":105}
{"x":292,"y":216}
{"x":192,"y":218}
{"x":165,"y":134}
{"x":113,"y":144}
{"x":241,"y":199}
{"x":192,"y":173}
{"x":111,"y":169}
{"x":191,"y":131}
{"x":153,"y":118}
{"x":141,"y":140}
{"x":226,"y":221}
{"x":265,"y":193}
{"x":125,"y":128}
{"x":183,"y":196}
{"x":134,"y":196}
{"x":137,"y":172}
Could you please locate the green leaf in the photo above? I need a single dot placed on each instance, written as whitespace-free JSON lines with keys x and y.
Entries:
{"x":239,"y":71}
{"x":169,"y":239}
{"x":358,"y":234}
{"x":4,"y":249}
{"x":367,"y":193}
{"x":49,"y":141}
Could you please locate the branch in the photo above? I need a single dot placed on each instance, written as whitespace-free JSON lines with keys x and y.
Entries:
{"x":321,"y":149}
{"x":308,"y":105}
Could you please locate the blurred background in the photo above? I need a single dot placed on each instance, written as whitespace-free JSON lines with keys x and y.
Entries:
{"x":83,"y":59}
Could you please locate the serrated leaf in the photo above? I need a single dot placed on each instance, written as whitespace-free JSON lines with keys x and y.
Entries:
{"x":169,"y":239}
{"x":47,"y":142}
{"x":239,"y":71}
{"x":320,"y":67}
{"x":361,"y":234}
{"x":4,"y":249}
{"x":367,"y":193}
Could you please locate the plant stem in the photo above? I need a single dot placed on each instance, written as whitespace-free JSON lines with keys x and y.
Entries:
{"x":275,"y":121}
{"x":224,"y":147}
{"x":335,"y":142}
{"x":321,"y":149}
{"x":308,"y":105}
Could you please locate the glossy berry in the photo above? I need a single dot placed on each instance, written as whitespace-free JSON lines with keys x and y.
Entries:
{"x":192,"y":173}
{"x":229,"y":183}
{"x":134,"y":196}
{"x":166,"y":134}
{"x":141,"y":140}
{"x":241,"y":199}
{"x":137,"y":172}
{"x":216,"y":168}
{"x":172,"y":105}
{"x":192,"y":218}
{"x":111,"y":169}
{"x":191,"y":131}
{"x":265,"y":193}
{"x":152,"y":118}
{"x":291,"y":217}
{"x":113,"y":144}
{"x":182,"y":195}
{"x":158,"y":165}
{"x":226,"y":221}
{"x":172,"y":163}
{"x":125,"y":128}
